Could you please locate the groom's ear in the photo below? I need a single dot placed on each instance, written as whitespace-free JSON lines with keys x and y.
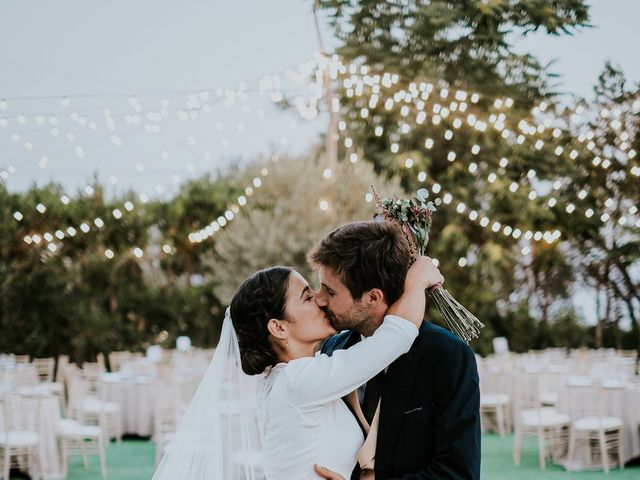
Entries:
{"x":374,"y":297}
{"x":277,"y":329}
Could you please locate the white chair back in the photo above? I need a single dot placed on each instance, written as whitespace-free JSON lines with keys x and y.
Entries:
{"x":526,"y":392}
{"x":91,"y":372}
{"x":495,"y":382}
{"x":21,"y":413}
{"x":44,"y":368}
{"x":21,"y":358}
{"x":584,"y":398}
{"x":77,"y":390}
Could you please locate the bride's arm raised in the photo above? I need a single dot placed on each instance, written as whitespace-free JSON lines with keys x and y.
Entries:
{"x":422,"y":275}
{"x":321,"y":379}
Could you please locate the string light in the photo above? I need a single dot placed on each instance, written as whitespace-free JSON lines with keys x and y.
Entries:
{"x":119,"y":142}
{"x":70,"y":231}
{"x":484,"y":221}
{"x":496,"y":120}
{"x":219,"y":223}
{"x":514,"y":187}
{"x":421,"y":91}
{"x":128,"y":206}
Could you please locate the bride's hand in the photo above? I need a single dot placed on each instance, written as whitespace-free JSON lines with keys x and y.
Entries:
{"x":326,"y":473}
{"x":423,"y":274}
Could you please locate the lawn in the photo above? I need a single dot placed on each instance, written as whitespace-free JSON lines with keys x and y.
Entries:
{"x":134,"y":460}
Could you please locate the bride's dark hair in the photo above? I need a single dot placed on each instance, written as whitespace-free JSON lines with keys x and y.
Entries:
{"x":260,"y":298}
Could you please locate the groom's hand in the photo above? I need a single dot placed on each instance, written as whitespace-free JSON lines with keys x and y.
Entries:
{"x":326,"y":473}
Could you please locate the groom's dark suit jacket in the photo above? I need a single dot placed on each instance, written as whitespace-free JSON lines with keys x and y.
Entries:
{"x":429,"y":413}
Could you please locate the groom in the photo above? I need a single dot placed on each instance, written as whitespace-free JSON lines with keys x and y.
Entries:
{"x":422,"y":413}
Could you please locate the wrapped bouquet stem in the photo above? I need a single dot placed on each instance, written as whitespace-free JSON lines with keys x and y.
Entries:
{"x":413,"y":216}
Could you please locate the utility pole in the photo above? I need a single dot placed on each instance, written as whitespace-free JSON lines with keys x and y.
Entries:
{"x":331,"y":141}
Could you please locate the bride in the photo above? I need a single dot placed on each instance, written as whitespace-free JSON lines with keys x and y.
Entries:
{"x":294,"y":416}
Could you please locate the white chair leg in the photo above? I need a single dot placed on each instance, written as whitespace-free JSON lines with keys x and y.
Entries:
{"x":500,"y":420}
{"x":572,"y":446}
{"x":604,"y":454}
{"x":85,"y":460}
{"x":541,"y":448}
{"x":65,"y":458}
{"x":517,"y":446}
{"x":103,"y":463}
{"x":559,"y":447}
{"x":119,"y":440}
{"x":31,"y":461}
{"x":7,"y":463}
{"x":620,"y":449}
{"x":158,"y":451}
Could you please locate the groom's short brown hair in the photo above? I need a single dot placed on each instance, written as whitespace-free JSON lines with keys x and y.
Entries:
{"x":366,"y":255}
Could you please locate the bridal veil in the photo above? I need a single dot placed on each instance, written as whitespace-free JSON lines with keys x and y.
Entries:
{"x":219,"y":435}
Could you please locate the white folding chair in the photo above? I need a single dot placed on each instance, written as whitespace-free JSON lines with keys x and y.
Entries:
{"x":531,"y":419}
{"x":77,"y":439}
{"x":591,"y":426}
{"x":495,"y":402}
{"x":20,"y":443}
{"x":91,"y":409}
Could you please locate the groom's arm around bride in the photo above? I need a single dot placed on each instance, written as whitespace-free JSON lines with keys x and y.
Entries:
{"x":429,"y":418}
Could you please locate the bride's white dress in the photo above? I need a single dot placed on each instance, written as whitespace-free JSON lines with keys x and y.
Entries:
{"x":303,"y":418}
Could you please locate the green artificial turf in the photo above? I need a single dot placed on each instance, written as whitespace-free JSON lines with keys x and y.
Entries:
{"x":129,"y":460}
{"x":134,"y":460}
{"x":497,"y":464}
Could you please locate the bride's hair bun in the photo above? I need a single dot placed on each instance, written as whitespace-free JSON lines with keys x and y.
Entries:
{"x":260,"y":298}
{"x":257,"y":360}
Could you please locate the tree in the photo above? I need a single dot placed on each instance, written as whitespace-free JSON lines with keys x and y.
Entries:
{"x":599,"y":207}
{"x":284,"y":218}
{"x":465,"y":43}
{"x":434,"y":93}
{"x":86,"y":275}
{"x":196,"y":204}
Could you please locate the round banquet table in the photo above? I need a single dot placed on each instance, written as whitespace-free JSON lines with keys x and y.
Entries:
{"x":134,"y":394}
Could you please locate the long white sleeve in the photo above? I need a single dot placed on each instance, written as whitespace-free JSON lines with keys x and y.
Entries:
{"x":320,"y":379}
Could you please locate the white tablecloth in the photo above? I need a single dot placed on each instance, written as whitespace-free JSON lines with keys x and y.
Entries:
{"x":134,"y":394}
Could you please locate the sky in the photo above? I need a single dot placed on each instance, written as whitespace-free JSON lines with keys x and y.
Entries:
{"x":71,"y":65}
{"x":152,"y":49}
{"x":580,"y":58}
{"x":98,"y":54}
